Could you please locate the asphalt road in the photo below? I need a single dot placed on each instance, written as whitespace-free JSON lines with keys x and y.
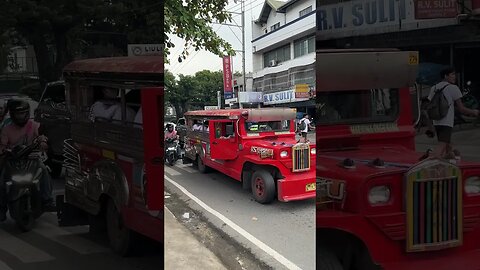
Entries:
{"x":50,"y":247}
{"x":271,"y":231}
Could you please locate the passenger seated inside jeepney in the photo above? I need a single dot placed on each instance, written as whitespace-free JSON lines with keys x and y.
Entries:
{"x":205,"y":126}
{"x":109,"y":108}
{"x":196,"y":126}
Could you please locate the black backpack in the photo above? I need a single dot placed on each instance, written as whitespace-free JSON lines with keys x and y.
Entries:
{"x":438,"y":106}
{"x":302,"y":125}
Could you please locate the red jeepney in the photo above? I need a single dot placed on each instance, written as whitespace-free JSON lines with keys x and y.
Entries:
{"x":254,"y":146}
{"x":381,"y":204}
{"x":114,"y":160}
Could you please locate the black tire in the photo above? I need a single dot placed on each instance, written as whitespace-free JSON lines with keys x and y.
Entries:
{"x":201,"y":166}
{"x":121,"y":238}
{"x":326,"y":260}
{"x":171,"y":159}
{"x":263,"y":187}
{"x":22,"y":215}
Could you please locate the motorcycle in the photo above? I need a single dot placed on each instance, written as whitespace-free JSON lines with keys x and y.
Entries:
{"x":468,"y":101}
{"x":171,"y":154}
{"x":22,"y":175}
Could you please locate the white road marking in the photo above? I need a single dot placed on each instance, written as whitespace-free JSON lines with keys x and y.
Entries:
{"x":171,"y":171}
{"x":270,"y":251}
{"x":21,"y":249}
{"x":4,"y":266}
{"x":67,"y":239}
{"x":187,"y":168}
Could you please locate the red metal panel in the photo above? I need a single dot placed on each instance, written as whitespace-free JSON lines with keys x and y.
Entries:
{"x":152,"y":110}
{"x":137,"y":64}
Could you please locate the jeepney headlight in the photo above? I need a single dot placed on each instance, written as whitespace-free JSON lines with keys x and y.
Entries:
{"x":313,"y":151}
{"x":472,"y":185}
{"x":379,"y":194}
{"x":284,"y":154}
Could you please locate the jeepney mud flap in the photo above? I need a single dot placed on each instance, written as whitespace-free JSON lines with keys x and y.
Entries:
{"x":433,"y":206}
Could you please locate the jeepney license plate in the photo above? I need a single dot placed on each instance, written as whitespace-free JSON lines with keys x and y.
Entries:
{"x":310,"y":187}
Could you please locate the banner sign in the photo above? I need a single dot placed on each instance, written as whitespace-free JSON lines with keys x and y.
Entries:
{"x":431,"y":9}
{"x":227,"y":77}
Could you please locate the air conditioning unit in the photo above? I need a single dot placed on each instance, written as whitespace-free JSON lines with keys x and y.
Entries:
{"x":273,"y":63}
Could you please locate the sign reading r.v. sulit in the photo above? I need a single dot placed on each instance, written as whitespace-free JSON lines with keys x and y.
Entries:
{"x":367,"y":17}
{"x":361,"y":12}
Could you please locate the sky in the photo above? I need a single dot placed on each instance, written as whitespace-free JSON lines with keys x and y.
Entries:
{"x":201,"y":60}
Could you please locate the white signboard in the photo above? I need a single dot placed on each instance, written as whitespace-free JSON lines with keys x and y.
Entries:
{"x":250,"y":97}
{"x":145,"y":49}
{"x":281,"y":97}
{"x":359,"y":17}
{"x":210,"y":108}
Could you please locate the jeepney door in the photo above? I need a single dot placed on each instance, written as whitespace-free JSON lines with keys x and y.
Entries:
{"x":223,"y":139}
{"x":152,"y":111}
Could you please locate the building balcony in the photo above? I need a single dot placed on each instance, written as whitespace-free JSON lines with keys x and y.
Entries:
{"x":295,"y":29}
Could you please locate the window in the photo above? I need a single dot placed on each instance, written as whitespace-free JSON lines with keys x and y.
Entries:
{"x":360,"y":106}
{"x":275,"y":26}
{"x":267,"y":126}
{"x":279,"y":55}
{"x":224,"y":130}
{"x":305,"y":11}
{"x":304,"y":46}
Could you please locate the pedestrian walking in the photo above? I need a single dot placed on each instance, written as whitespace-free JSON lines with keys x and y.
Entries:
{"x":443,"y":98}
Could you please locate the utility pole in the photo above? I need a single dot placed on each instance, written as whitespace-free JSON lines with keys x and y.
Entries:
{"x":243,"y":52}
{"x":242,"y":26}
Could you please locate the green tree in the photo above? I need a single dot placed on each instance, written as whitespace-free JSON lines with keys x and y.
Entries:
{"x":61,"y":31}
{"x":193,"y":92}
{"x":191,"y":19}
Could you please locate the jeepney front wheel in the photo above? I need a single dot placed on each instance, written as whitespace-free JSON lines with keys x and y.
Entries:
{"x":326,"y":260}
{"x":121,"y":238}
{"x":263,"y":186}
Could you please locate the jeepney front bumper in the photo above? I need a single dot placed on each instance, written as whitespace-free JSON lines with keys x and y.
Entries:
{"x":297,"y":186}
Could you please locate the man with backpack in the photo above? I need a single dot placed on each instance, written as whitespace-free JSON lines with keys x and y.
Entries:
{"x":443,"y":97}
{"x":303,"y":126}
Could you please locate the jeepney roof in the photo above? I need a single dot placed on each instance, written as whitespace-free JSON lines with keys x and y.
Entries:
{"x":262,"y":114}
{"x":148,"y":68}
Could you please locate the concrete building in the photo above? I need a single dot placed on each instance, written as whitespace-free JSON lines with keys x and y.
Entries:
{"x":283,"y":48}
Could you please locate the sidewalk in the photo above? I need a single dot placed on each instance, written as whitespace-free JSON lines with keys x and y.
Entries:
{"x":183,"y":250}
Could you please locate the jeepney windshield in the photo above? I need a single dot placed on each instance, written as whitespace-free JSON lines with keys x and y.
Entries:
{"x":358,"y":106}
{"x":267,"y":126}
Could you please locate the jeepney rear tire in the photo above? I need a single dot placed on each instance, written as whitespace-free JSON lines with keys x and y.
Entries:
{"x":326,"y":260}
{"x":263,"y":186}
{"x":201,"y":166}
{"x":121,"y":238}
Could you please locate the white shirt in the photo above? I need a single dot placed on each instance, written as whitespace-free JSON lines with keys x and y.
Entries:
{"x":110,"y":111}
{"x":451,"y":93}
{"x":307,"y":123}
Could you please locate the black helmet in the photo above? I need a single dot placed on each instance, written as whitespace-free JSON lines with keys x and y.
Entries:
{"x":19,"y":111}
{"x":169,"y":126}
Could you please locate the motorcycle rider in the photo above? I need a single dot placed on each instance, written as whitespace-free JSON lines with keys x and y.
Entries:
{"x":4,"y":120}
{"x":22,"y":131}
{"x":172,"y":134}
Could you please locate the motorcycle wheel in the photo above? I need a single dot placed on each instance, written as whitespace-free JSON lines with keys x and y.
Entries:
{"x":22,"y":213}
{"x":171,"y":159}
